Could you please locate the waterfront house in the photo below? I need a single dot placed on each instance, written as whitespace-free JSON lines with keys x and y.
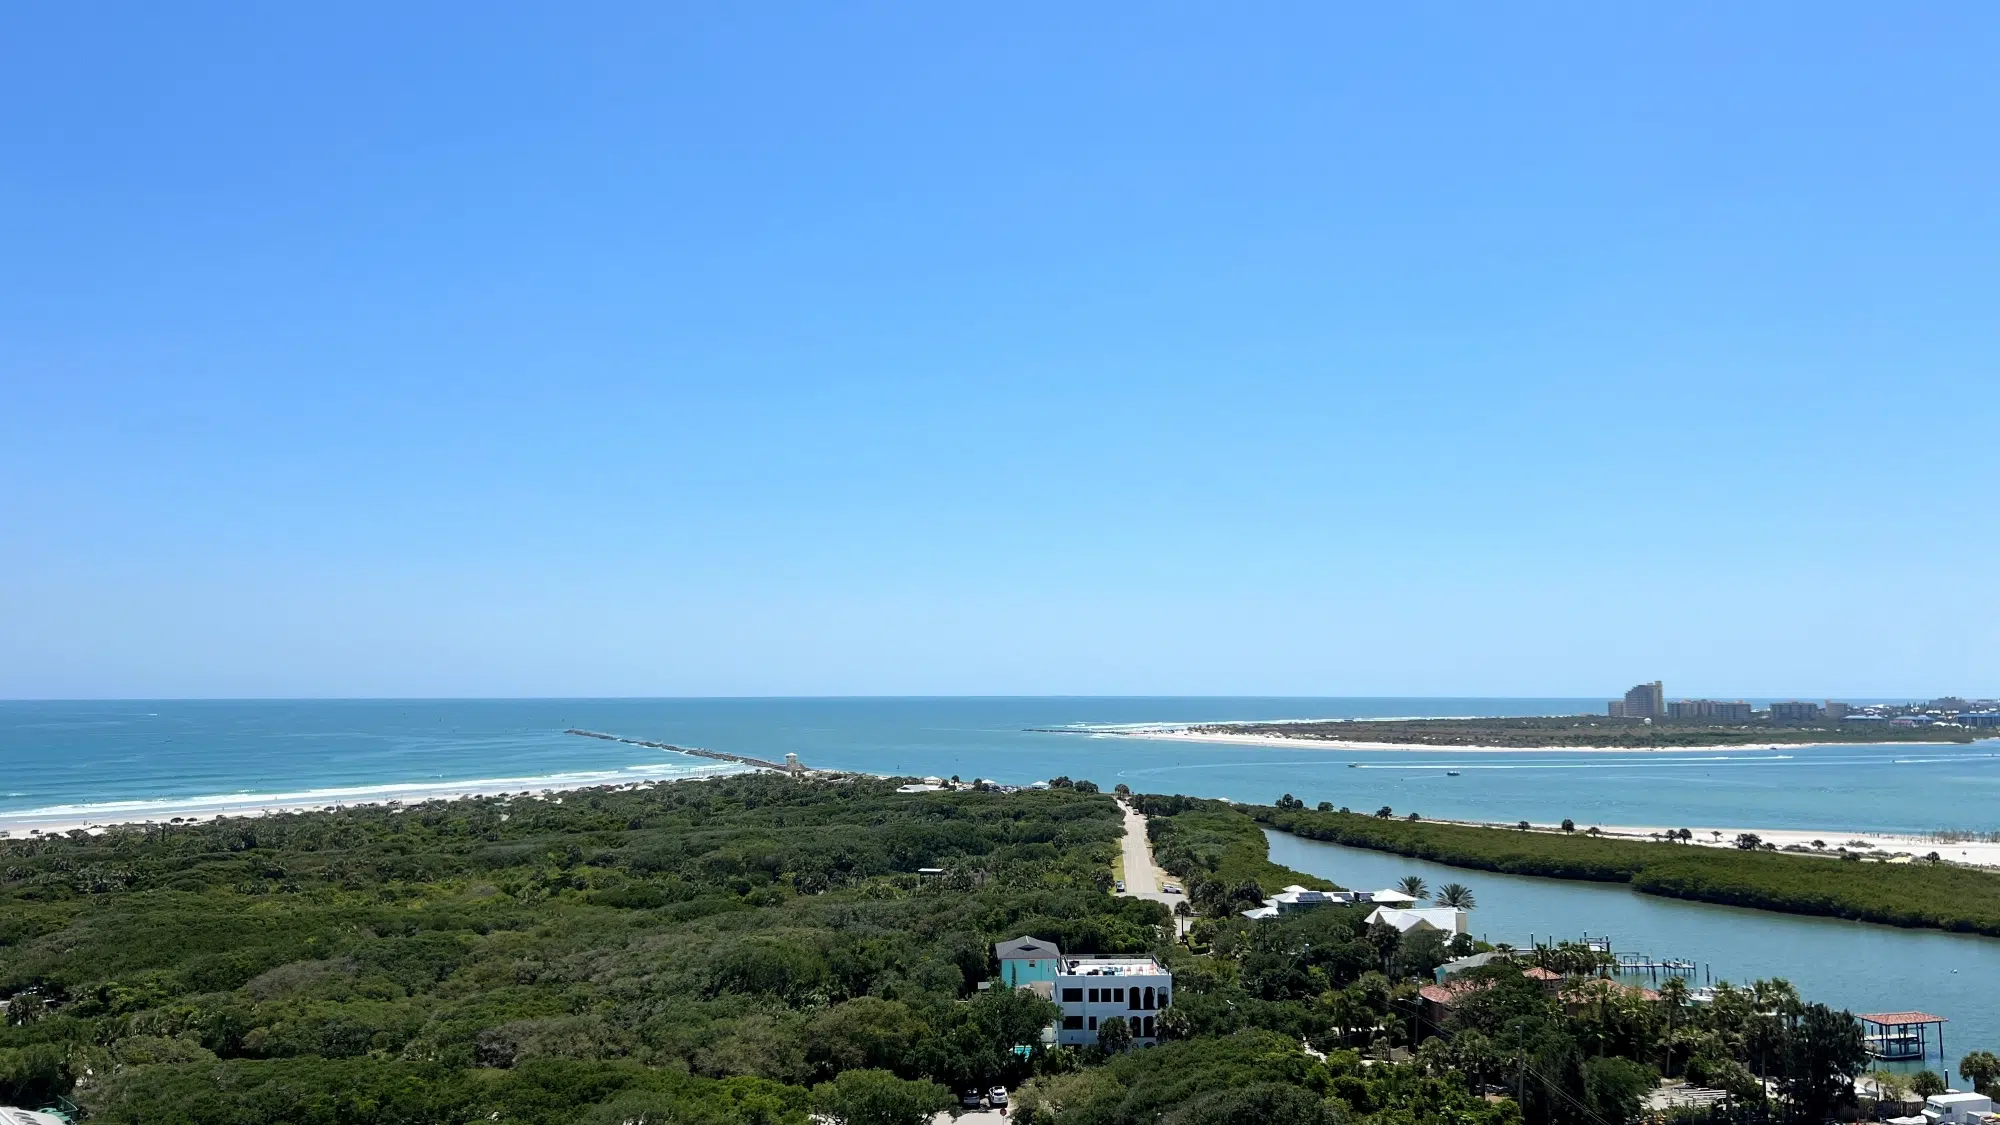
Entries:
{"x":1451,"y":969}
{"x":1090,"y":990}
{"x":1026,"y":960}
{"x":1295,"y":898}
{"x":1446,"y":919}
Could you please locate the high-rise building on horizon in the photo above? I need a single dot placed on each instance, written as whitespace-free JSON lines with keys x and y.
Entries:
{"x":1737,"y":711}
{"x":1794,"y":711}
{"x":1645,"y":701}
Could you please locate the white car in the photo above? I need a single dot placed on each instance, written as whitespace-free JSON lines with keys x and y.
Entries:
{"x":1170,"y":888}
{"x":997,"y":1097}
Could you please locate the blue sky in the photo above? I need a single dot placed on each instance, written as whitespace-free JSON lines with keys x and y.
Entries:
{"x":751,"y":349}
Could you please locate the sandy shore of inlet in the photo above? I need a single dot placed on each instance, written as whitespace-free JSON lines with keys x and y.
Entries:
{"x":1974,"y":853}
{"x":29,"y":823}
{"x":1971,"y":853}
{"x":1183,"y":734}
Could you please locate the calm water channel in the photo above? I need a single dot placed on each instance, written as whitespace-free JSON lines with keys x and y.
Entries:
{"x":1852,"y":965}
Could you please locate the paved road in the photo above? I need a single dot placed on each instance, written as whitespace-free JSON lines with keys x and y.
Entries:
{"x":1142,"y":877}
{"x":971,"y":1117}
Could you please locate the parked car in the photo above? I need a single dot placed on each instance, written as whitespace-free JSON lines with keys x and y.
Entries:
{"x":1170,"y":888}
{"x":1121,"y":886}
{"x":997,"y":1097}
{"x":972,"y":1099}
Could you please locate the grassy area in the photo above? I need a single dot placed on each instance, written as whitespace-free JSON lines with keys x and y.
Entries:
{"x":1585,"y":730}
{"x":1916,"y":895}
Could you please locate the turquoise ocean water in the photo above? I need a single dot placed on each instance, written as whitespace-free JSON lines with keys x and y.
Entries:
{"x":118,"y":760}
{"x":133,"y":760}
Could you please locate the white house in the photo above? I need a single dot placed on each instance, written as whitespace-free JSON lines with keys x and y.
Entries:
{"x":1295,"y":898}
{"x":1090,"y":990}
{"x":1448,"y":919}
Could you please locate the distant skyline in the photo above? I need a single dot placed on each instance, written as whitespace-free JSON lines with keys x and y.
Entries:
{"x":641,"y":350}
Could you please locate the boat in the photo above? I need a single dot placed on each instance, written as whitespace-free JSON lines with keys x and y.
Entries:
{"x":1451,"y":773}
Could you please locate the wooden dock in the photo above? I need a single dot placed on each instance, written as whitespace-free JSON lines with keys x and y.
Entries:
{"x":790,"y":768}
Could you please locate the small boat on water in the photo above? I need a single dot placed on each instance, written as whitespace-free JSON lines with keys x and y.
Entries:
{"x":1451,"y":773}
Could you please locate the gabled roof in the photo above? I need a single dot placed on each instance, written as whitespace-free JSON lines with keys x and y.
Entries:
{"x":1025,"y":948}
{"x":1436,"y":917}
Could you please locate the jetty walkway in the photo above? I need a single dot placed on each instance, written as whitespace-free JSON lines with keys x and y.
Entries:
{"x":782,"y":767}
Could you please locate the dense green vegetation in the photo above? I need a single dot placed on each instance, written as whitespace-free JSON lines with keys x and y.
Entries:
{"x":1587,"y":730}
{"x":1579,"y":1051}
{"x":752,"y":950}
{"x":705,"y":949}
{"x":1219,"y":854}
{"x":1922,"y":895}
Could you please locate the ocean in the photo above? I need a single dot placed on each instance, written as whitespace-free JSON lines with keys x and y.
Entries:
{"x":71,"y":761}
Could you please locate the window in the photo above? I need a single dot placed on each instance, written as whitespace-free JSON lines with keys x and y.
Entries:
{"x":1093,"y":996}
{"x":1149,"y":1027}
{"x":1118,"y":996}
{"x":1149,"y":999}
{"x":1031,"y":964}
{"x":1093,"y":1023}
{"x":1134,"y":1004}
{"x":1072,"y":1023}
{"x":1072,"y":995}
{"x":1163,"y":998}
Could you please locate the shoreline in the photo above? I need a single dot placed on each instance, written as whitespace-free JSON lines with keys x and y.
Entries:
{"x":1964,"y":853}
{"x":27,"y":824}
{"x":1183,"y":734}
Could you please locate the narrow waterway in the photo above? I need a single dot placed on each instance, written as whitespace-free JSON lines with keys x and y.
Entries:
{"x":1852,"y":965}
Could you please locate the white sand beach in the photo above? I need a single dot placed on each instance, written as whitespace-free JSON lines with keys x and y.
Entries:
{"x":1185,"y":734}
{"x":28,"y":823}
{"x":1895,"y":847}
{"x":1972,"y":853}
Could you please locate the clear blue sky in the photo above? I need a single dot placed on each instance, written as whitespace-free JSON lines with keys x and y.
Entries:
{"x":581,"y":349}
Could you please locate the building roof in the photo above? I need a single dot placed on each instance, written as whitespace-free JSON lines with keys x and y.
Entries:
{"x":1592,"y":987}
{"x":1389,"y":895}
{"x":1536,"y":972}
{"x":1451,"y":992}
{"x":1475,"y":961}
{"x":1135,"y":966}
{"x":1025,"y":948}
{"x":1436,"y":917}
{"x":1899,"y":1017}
{"x":1260,"y":913}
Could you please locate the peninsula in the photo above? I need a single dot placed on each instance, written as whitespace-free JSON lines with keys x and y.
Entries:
{"x":1572,"y":732}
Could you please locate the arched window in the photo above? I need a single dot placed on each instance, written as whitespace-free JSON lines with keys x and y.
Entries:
{"x":1149,"y":998}
{"x":1149,"y":1027}
{"x":1134,"y":994}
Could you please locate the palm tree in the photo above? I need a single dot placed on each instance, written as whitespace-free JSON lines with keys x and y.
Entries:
{"x":1455,"y":895}
{"x":1413,"y":886}
{"x":1674,"y":994}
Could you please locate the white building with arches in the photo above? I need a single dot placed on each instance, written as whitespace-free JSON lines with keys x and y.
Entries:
{"x":1091,"y":990}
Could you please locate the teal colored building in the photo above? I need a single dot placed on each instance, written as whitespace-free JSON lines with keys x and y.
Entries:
{"x":1026,"y":960}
